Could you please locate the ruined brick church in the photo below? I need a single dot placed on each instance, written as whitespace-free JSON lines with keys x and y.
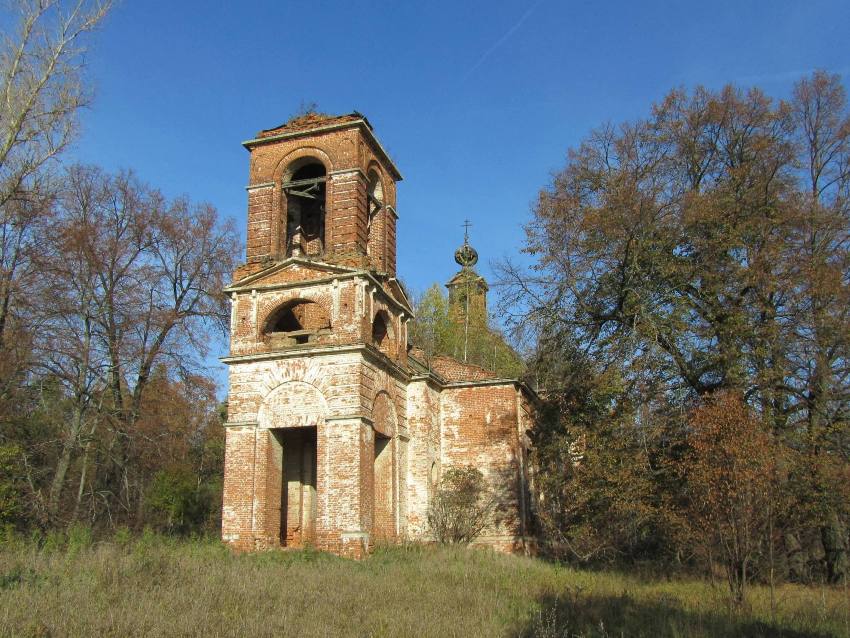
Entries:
{"x":338,"y":429}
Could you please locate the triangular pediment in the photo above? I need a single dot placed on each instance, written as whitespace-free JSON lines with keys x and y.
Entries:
{"x":292,"y":270}
{"x":399,"y":294}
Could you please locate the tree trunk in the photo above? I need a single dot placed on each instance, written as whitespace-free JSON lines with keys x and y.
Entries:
{"x":833,"y":536}
{"x":64,"y":462}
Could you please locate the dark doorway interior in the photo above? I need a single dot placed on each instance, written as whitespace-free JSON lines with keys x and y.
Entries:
{"x":298,"y":492}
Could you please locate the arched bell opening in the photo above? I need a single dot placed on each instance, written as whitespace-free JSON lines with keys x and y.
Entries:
{"x":305,"y":197}
{"x":376,"y":227}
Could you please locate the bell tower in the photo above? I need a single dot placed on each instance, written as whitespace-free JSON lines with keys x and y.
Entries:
{"x":316,"y":447}
{"x":323,"y":188}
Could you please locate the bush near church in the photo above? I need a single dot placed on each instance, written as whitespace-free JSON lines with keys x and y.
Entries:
{"x":461,"y":508}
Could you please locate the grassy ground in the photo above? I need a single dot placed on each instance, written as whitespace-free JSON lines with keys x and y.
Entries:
{"x":160,"y":587}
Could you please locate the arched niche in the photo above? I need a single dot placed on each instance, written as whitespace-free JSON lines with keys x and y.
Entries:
{"x":384,"y":415}
{"x":383,"y":335}
{"x":385,"y":515}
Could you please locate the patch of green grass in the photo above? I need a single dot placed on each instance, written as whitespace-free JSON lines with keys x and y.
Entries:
{"x":156,"y":586}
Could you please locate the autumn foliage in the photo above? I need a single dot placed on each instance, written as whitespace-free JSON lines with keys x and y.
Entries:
{"x":699,"y":253}
{"x":731,"y":485}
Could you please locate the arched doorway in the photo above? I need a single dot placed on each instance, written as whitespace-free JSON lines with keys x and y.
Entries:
{"x":292,"y":412}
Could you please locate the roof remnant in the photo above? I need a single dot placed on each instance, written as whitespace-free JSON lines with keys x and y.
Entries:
{"x":452,"y":369}
{"x":309,"y":121}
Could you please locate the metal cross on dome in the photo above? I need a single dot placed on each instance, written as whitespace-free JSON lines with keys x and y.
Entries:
{"x":466,"y":255}
{"x":466,"y":225}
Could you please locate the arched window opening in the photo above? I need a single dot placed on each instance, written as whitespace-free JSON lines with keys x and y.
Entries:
{"x":382,"y":335}
{"x":374,"y":203}
{"x":305,"y":210}
{"x":297,"y":322}
{"x":375,"y":194}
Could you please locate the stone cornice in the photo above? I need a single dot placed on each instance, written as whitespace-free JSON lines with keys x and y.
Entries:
{"x":307,"y":350}
{"x":346,"y":171}
{"x":430,"y":378}
{"x":520,"y":385}
{"x":293,"y":351}
{"x":245,"y":285}
{"x":351,"y":417}
{"x":241,"y":424}
{"x":482,"y":382}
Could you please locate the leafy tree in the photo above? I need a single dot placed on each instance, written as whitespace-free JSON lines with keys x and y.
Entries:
{"x":705,"y":248}
{"x":437,"y":331}
{"x":598,"y":467}
{"x":432,"y":330}
{"x":12,"y":508}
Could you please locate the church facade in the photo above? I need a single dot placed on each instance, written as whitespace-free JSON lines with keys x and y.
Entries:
{"x":338,"y":430}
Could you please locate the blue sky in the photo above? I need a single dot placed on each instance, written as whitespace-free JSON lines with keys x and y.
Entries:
{"x":477,"y":102}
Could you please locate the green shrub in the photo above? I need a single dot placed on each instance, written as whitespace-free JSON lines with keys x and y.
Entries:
{"x":79,"y":537}
{"x":54,"y":541}
{"x":12,"y":502}
{"x":177,"y":504}
{"x":122,"y":536}
{"x":461,"y":507}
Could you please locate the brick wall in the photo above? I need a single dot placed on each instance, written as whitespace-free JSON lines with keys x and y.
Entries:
{"x":479,"y":428}
{"x":238,"y":494}
{"x":336,"y":394}
{"x":350,"y":302}
{"x":260,"y":215}
{"x":423,"y":417}
{"x":384,"y":524}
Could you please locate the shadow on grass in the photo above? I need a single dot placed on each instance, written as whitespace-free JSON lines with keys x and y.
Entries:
{"x":580,"y":615}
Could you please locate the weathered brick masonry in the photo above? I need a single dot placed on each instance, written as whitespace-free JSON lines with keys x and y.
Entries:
{"x":337,"y":433}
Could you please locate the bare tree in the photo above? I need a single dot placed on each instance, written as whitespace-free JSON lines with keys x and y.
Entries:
{"x":41,"y":80}
{"x":131,"y":282}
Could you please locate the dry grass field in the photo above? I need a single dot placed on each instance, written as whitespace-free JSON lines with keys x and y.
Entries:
{"x":155,"y":586}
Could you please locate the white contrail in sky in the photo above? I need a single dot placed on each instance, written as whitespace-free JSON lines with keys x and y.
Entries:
{"x":503,"y":39}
